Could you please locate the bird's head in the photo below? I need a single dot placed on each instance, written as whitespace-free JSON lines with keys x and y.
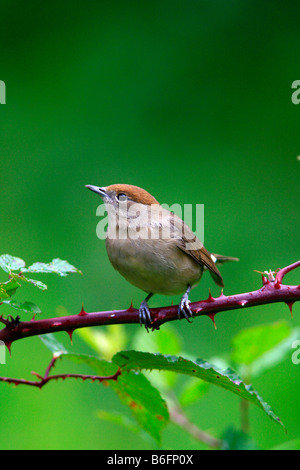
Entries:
{"x":118,"y":194}
{"x":124,"y":199}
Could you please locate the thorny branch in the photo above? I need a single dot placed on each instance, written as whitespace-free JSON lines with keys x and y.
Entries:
{"x":271,"y":291}
{"x":43,"y":380}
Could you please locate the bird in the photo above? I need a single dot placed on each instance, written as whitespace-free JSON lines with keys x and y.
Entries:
{"x":154,"y":249}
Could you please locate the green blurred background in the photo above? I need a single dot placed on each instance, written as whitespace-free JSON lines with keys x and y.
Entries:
{"x":190,"y":100}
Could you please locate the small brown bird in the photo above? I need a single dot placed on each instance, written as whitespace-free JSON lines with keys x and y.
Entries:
{"x":153,"y":248}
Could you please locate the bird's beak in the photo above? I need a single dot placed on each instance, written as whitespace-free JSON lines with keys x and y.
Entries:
{"x":96,"y":189}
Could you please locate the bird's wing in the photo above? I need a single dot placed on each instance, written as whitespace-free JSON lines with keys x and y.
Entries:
{"x":187,"y":242}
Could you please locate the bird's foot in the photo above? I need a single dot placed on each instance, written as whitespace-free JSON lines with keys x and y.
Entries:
{"x":144,"y":314}
{"x":184,"y":306}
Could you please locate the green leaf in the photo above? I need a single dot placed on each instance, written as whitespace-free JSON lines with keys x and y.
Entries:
{"x":11,"y":263}
{"x":38,"y":284}
{"x":250,"y":344}
{"x":58,"y":266}
{"x":137,"y":360}
{"x":8,"y":288}
{"x":167,"y":342}
{"x":133,"y":389}
{"x":27,"y":307}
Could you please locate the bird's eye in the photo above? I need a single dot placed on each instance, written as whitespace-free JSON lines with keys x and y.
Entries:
{"x":122,"y":197}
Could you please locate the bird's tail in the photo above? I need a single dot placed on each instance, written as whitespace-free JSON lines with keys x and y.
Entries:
{"x":219,"y":259}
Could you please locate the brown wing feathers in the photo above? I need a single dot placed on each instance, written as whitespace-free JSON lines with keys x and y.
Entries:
{"x":202,"y":256}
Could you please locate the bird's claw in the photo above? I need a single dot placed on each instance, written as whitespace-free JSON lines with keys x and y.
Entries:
{"x":145,"y":315}
{"x":184,"y":307}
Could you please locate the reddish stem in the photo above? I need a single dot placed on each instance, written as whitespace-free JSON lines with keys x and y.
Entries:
{"x":272,"y":291}
{"x":282,"y":272}
{"x":43,"y":380}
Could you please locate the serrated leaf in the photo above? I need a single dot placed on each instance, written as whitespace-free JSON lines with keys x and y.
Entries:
{"x":11,"y":263}
{"x":228,"y":379}
{"x":27,"y":307}
{"x":39,"y":284}
{"x":21,"y":277}
{"x":8,"y":288}
{"x":133,"y":389}
{"x":167,"y":342}
{"x":58,"y":266}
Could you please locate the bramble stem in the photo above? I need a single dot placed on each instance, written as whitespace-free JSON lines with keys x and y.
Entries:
{"x":43,"y":380}
{"x":272,"y":291}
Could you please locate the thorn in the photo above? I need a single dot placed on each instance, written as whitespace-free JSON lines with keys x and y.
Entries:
{"x":242,"y":302}
{"x":82,"y":312}
{"x":2,"y":320}
{"x":210,"y":297}
{"x":8,"y":345}
{"x":212,"y":317}
{"x":265,"y":280}
{"x":290,"y":305}
{"x":277,"y":284}
{"x":37,"y":375}
{"x":131,"y":306}
{"x":33,"y":318}
{"x":70,"y":333}
{"x":222,"y":293}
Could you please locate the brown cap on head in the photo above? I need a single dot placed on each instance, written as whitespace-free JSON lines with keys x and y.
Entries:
{"x":134,"y":192}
